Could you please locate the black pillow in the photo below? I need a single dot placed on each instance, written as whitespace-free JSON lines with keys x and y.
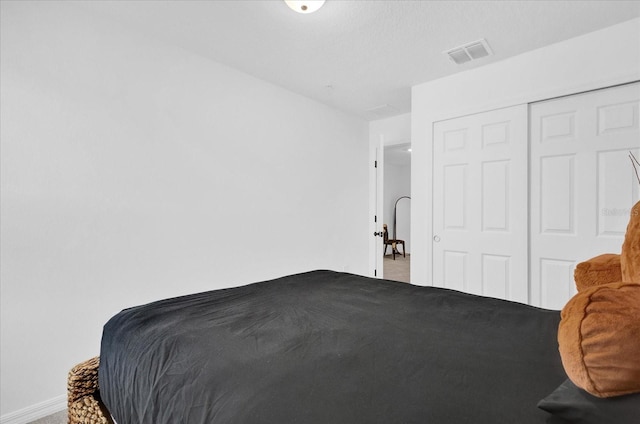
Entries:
{"x":577,"y":406}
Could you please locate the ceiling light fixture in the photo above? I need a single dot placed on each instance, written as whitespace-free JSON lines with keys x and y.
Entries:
{"x":304,"y":6}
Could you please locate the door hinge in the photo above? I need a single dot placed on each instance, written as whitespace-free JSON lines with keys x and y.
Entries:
{"x":375,"y":272}
{"x":375,"y":218}
{"x":375,"y":164}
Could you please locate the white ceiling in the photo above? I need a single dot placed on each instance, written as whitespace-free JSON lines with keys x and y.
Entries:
{"x":359,"y":55}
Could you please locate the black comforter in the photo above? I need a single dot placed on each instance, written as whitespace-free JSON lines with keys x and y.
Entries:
{"x":330,"y":348}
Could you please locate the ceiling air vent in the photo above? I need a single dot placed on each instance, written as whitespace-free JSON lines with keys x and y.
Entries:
{"x":469,"y":51}
{"x":382,"y":111}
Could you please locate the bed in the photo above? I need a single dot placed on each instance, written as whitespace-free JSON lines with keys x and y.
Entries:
{"x":329,"y":347}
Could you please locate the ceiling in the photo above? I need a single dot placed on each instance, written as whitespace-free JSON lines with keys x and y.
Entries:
{"x":360,"y":56}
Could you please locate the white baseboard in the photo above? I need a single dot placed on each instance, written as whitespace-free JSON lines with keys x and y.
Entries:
{"x":37,"y":411}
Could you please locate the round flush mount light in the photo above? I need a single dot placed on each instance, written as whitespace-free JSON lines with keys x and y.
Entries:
{"x":304,"y":6}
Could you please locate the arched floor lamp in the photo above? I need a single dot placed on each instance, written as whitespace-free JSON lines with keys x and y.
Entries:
{"x":395,"y":207}
{"x":395,"y":241}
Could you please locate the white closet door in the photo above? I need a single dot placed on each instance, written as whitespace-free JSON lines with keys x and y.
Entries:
{"x":480,"y":204}
{"x":582,"y":184}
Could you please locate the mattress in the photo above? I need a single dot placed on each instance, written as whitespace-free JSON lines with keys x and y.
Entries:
{"x":329,"y":347}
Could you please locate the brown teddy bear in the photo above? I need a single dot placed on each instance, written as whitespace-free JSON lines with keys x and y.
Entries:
{"x":611,"y":267}
{"x":599,"y":332}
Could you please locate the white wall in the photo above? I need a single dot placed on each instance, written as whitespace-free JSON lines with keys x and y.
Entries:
{"x":134,"y":171}
{"x":395,"y":130}
{"x":599,"y":59}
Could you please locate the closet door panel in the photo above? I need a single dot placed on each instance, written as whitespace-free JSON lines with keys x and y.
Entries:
{"x":582,"y":184}
{"x":556,"y":201}
{"x":480,"y":204}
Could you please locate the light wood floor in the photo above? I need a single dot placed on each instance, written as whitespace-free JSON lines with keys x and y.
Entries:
{"x":397,"y":270}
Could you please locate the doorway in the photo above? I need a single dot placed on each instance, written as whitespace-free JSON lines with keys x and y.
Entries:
{"x":397,"y":212}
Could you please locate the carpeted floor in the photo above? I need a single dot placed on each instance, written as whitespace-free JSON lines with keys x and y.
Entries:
{"x":397,"y":270}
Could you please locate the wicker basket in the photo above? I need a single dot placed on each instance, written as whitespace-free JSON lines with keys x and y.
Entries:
{"x":83,"y":398}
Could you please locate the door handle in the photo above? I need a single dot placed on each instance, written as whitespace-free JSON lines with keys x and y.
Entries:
{"x":436,"y":238}
{"x":379,"y":234}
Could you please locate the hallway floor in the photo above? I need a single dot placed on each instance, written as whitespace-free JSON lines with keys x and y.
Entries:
{"x":397,"y":270}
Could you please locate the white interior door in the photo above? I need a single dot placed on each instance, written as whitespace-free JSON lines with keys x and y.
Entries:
{"x":582,"y":184}
{"x":379,"y":215}
{"x":480,"y":204}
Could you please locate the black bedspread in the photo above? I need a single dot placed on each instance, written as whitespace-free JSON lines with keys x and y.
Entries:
{"x":330,"y":348}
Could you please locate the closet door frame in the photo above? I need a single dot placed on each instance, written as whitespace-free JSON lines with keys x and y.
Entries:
{"x":534,"y":296}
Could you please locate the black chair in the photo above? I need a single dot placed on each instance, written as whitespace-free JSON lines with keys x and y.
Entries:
{"x":392,"y":242}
